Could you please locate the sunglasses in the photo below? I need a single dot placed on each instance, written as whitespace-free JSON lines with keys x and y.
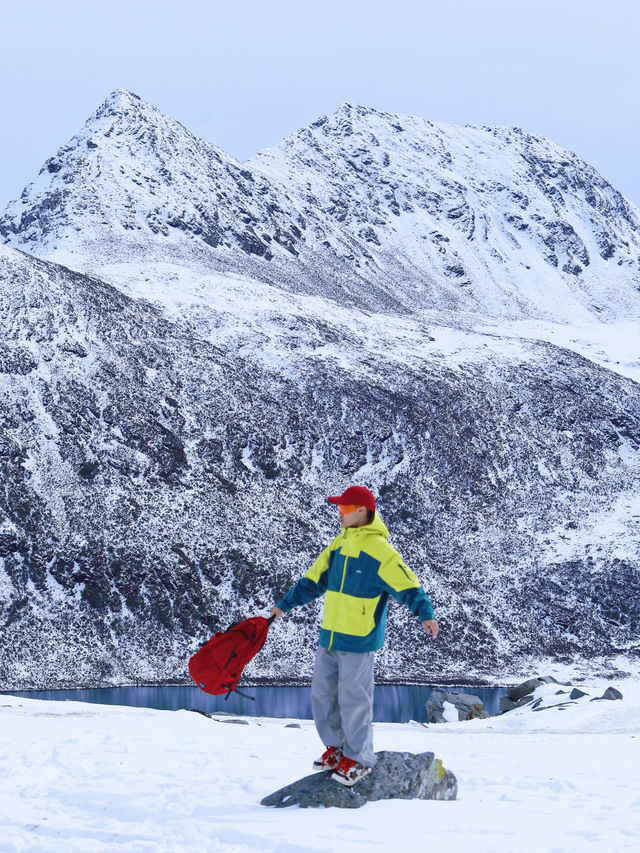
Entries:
{"x":347,"y":509}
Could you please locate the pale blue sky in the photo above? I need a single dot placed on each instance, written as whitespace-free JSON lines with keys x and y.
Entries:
{"x":245,"y":74}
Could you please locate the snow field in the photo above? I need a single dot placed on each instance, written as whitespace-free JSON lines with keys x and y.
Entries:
{"x":80,"y":777}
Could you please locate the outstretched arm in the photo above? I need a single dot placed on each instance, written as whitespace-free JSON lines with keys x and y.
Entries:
{"x":312,"y":585}
{"x":398,"y":579}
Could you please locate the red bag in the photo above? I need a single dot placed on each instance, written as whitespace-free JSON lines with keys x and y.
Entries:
{"x":217,"y":666}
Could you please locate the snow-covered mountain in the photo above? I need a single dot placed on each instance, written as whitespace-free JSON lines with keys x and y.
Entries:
{"x":394,"y":212}
{"x":157,"y":485}
{"x":234,"y":345}
{"x":135,"y":187}
{"x":489,"y":219}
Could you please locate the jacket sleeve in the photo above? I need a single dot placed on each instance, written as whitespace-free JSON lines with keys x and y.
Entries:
{"x":397,"y":579}
{"x":312,"y":585}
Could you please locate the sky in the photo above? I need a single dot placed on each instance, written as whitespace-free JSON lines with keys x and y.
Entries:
{"x":245,"y":74}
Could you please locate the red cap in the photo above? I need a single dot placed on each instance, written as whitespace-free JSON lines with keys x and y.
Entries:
{"x":357,"y":495}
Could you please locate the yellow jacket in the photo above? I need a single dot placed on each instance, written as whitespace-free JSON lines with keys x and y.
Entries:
{"x":357,"y":573}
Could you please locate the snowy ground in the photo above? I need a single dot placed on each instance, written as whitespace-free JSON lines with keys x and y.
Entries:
{"x":79,"y":777}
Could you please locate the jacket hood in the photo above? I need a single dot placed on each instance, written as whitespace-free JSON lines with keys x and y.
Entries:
{"x":377,"y":526}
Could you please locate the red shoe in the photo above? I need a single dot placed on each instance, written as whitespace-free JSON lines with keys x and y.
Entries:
{"x":348,"y":771}
{"x":329,"y":759}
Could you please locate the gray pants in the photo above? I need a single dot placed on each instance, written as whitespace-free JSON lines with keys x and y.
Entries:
{"x":342,"y":702}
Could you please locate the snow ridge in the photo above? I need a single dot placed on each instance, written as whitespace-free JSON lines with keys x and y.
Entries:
{"x":389,"y":211}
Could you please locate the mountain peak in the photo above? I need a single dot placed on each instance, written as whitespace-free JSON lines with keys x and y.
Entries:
{"x":120,"y":102}
{"x":120,"y":98}
{"x":457,"y":217}
{"x":126,"y":106}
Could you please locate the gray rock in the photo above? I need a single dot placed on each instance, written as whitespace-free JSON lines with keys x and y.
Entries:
{"x":577,"y":694}
{"x":237,"y":722}
{"x":434,"y":707}
{"x":292,"y":726}
{"x":609,"y":693}
{"x":469,"y":707}
{"x":525,"y":700}
{"x":397,"y":775}
{"x":524,"y":689}
{"x":506,"y":704}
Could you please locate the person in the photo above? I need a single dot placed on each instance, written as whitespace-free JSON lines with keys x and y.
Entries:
{"x":356,"y":573}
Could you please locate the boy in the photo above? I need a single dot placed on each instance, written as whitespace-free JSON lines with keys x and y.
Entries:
{"x":356,"y":573}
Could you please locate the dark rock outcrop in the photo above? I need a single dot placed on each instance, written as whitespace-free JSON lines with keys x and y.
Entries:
{"x":610,"y":694}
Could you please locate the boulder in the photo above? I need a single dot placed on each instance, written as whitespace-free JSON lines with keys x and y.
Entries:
{"x":609,"y":693}
{"x":524,"y":689}
{"x":468,"y":707}
{"x":527,"y":687}
{"x":506,"y":704}
{"x":576,"y":693}
{"x":396,"y":776}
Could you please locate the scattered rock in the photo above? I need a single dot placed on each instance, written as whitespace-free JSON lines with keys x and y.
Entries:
{"x":237,"y":722}
{"x":518,"y":693}
{"x":397,"y":775}
{"x":577,"y":694}
{"x":525,"y":693}
{"x":561,"y":706}
{"x":524,"y":689}
{"x":609,"y":693}
{"x":468,"y":706}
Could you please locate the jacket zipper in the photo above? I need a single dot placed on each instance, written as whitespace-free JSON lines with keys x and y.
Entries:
{"x":344,"y":574}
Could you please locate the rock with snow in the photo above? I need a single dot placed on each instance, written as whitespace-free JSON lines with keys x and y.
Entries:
{"x":576,"y":693}
{"x":542,"y":695}
{"x":611,"y":694}
{"x":526,"y":688}
{"x":396,"y":776}
{"x":444,"y":707}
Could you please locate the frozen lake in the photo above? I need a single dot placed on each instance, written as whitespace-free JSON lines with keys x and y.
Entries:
{"x":393,"y":703}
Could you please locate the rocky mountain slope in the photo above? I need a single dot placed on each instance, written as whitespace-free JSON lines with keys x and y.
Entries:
{"x":158,"y":486}
{"x":228,"y":343}
{"x":494,"y":220}
{"x":394,"y":212}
